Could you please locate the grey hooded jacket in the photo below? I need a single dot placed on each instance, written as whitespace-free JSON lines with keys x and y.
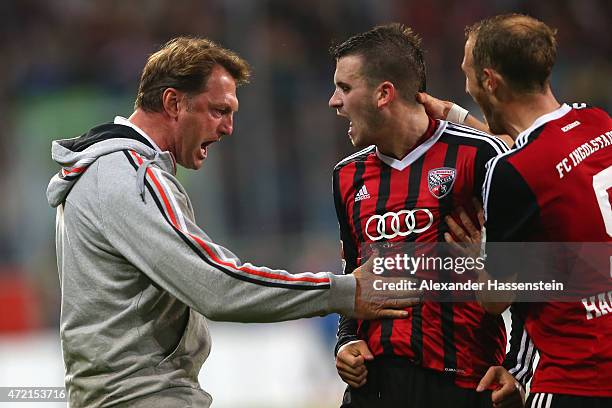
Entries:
{"x":138,"y":276}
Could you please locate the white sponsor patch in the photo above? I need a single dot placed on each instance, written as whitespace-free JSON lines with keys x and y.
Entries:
{"x":569,"y":127}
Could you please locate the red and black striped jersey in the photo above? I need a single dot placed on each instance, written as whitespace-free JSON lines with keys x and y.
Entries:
{"x":555,"y":186}
{"x":444,"y":171}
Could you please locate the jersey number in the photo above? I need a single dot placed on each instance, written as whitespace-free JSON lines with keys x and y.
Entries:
{"x":602,"y":181}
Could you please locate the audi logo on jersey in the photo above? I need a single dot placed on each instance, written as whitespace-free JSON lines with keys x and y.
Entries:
{"x":401,"y":223}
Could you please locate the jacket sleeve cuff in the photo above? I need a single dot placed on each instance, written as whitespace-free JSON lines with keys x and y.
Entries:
{"x":342,"y":294}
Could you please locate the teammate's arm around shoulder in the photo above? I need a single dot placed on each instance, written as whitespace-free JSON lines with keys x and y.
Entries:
{"x":447,"y":110}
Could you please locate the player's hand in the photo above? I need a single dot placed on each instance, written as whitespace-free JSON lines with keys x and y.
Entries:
{"x":372,"y":303}
{"x":508,"y":393}
{"x":434,"y":107}
{"x":350,"y":362}
{"x":465,"y":237}
{"x":438,"y":109}
{"x":469,"y":233}
{"x":466,"y":241}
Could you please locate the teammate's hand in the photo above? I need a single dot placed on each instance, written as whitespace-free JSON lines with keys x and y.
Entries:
{"x":350,"y":362}
{"x":438,"y":109}
{"x":508,"y":393}
{"x":373,"y":303}
{"x":466,"y":241}
{"x":469,"y":233}
{"x":465,"y":237}
{"x":434,"y":107}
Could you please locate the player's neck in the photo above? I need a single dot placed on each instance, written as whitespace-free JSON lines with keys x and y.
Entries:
{"x":522,"y":111}
{"x":404,"y":128}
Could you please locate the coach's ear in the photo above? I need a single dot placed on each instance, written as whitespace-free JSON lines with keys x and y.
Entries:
{"x":385,"y":94}
{"x":170,"y":101}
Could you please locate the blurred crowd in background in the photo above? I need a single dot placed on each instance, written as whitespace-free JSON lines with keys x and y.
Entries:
{"x":265,"y":192}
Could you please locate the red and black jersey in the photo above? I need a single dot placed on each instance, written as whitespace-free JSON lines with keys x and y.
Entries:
{"x":444,"y":171}
{"x":555,"y":186}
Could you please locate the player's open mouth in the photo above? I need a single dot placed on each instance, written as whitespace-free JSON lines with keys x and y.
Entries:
{"x":350,"y":129}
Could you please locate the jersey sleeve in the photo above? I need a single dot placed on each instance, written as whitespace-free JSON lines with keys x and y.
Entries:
{"x":511,"y":208}
{"x":158,"y":235}
{"x":511,"y":214}
{"x":347,"y":327}
{"x":521,"y":356}
{"x":485,"y":154}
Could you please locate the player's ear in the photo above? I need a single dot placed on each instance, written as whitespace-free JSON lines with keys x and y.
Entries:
{"x":170,"y":101}
{"x":495,"y":84}
{"x":493,"y":81}
{"x":490,"y":80}
{"x":385,"y":93}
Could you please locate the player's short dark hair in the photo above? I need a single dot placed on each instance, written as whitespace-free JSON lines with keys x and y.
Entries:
{"x":389,"y":52}
{"x":521,"y":48}
{"x":185,"y":64}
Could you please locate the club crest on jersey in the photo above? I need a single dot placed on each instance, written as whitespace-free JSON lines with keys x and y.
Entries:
{"x":441,"y":180}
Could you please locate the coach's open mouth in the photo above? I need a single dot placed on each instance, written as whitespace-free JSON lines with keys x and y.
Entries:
{"x":204,"y":148}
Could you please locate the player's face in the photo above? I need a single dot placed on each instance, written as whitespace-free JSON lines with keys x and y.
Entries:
{"x":206,"y":117}
{"x":474,"y":87}
{"x":354,"y":99}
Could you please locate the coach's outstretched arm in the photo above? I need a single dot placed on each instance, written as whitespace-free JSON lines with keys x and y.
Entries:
{"x":165,"y":243}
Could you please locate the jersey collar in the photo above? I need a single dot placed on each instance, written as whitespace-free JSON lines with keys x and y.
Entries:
{"x":542,"y":120}
{"x":415,"y":154}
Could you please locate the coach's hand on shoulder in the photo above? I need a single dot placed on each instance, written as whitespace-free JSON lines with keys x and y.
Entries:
{"x":375,"y":298}
{"x":507,"y":391}
{"x":350,"y":362}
